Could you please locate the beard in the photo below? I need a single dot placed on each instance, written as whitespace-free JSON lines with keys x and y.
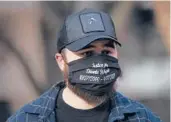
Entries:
{"x":88,"y":96}
{"x":85,"y":95}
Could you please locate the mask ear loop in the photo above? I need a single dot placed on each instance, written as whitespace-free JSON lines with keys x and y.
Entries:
{"x":64,"y":58}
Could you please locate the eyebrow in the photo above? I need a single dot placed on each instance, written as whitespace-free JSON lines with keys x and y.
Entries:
{"x":109,"y":44}
{"x":88,"y":46}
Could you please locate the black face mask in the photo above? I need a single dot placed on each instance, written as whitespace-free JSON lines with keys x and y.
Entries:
{"x":94,"y":74}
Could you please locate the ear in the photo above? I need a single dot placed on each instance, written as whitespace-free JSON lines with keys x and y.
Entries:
{"x":60,"y":61}
{"x":116,"y":53}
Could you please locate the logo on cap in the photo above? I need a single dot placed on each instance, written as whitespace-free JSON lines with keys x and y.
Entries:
{"x":91,"y":22}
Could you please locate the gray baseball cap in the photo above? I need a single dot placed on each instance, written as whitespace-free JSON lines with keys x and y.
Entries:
{"x":84,"y":27}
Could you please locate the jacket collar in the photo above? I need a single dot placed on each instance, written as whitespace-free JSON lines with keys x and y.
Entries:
{"x":121,"y":105}
{"x":45,"y":104}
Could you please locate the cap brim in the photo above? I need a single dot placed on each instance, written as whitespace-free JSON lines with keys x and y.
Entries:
{"x":81,"y":43}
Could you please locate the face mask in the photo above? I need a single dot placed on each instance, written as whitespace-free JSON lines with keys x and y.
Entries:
{"x":95,"y":74}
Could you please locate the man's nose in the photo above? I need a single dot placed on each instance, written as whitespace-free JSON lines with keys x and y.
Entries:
{"x":99,"y":50}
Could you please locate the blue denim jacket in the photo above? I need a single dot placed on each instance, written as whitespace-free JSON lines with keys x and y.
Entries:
{"x":43,"y":109}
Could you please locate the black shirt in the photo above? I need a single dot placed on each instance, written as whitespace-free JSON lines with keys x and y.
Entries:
{"x":66,"y":113}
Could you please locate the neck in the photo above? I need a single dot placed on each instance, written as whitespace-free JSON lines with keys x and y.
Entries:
{"x":75,"y":101}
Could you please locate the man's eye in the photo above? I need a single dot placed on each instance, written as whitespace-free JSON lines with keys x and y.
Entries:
{"x":87,"y":53}
{"x":106,"y":52}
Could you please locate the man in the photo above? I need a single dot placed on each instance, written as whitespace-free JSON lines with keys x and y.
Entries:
{"x":88,"y":58}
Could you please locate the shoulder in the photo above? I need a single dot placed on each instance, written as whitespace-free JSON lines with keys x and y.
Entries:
{"x":146,"y":113}
{"x":29,"y":112}
{"x":21,"y":116}
{"x":40,"y":108}
{"x":128,"y":106}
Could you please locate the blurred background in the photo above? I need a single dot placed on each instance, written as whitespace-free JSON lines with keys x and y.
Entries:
{"x":28,"y":35}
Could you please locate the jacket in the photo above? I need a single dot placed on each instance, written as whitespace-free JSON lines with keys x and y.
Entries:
{"x":123,"y":109}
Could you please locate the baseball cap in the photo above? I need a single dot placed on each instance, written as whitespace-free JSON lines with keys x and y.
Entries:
{"x":82,"y":28}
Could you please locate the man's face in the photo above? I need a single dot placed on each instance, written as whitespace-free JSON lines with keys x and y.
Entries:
{"x":97,"y":47}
